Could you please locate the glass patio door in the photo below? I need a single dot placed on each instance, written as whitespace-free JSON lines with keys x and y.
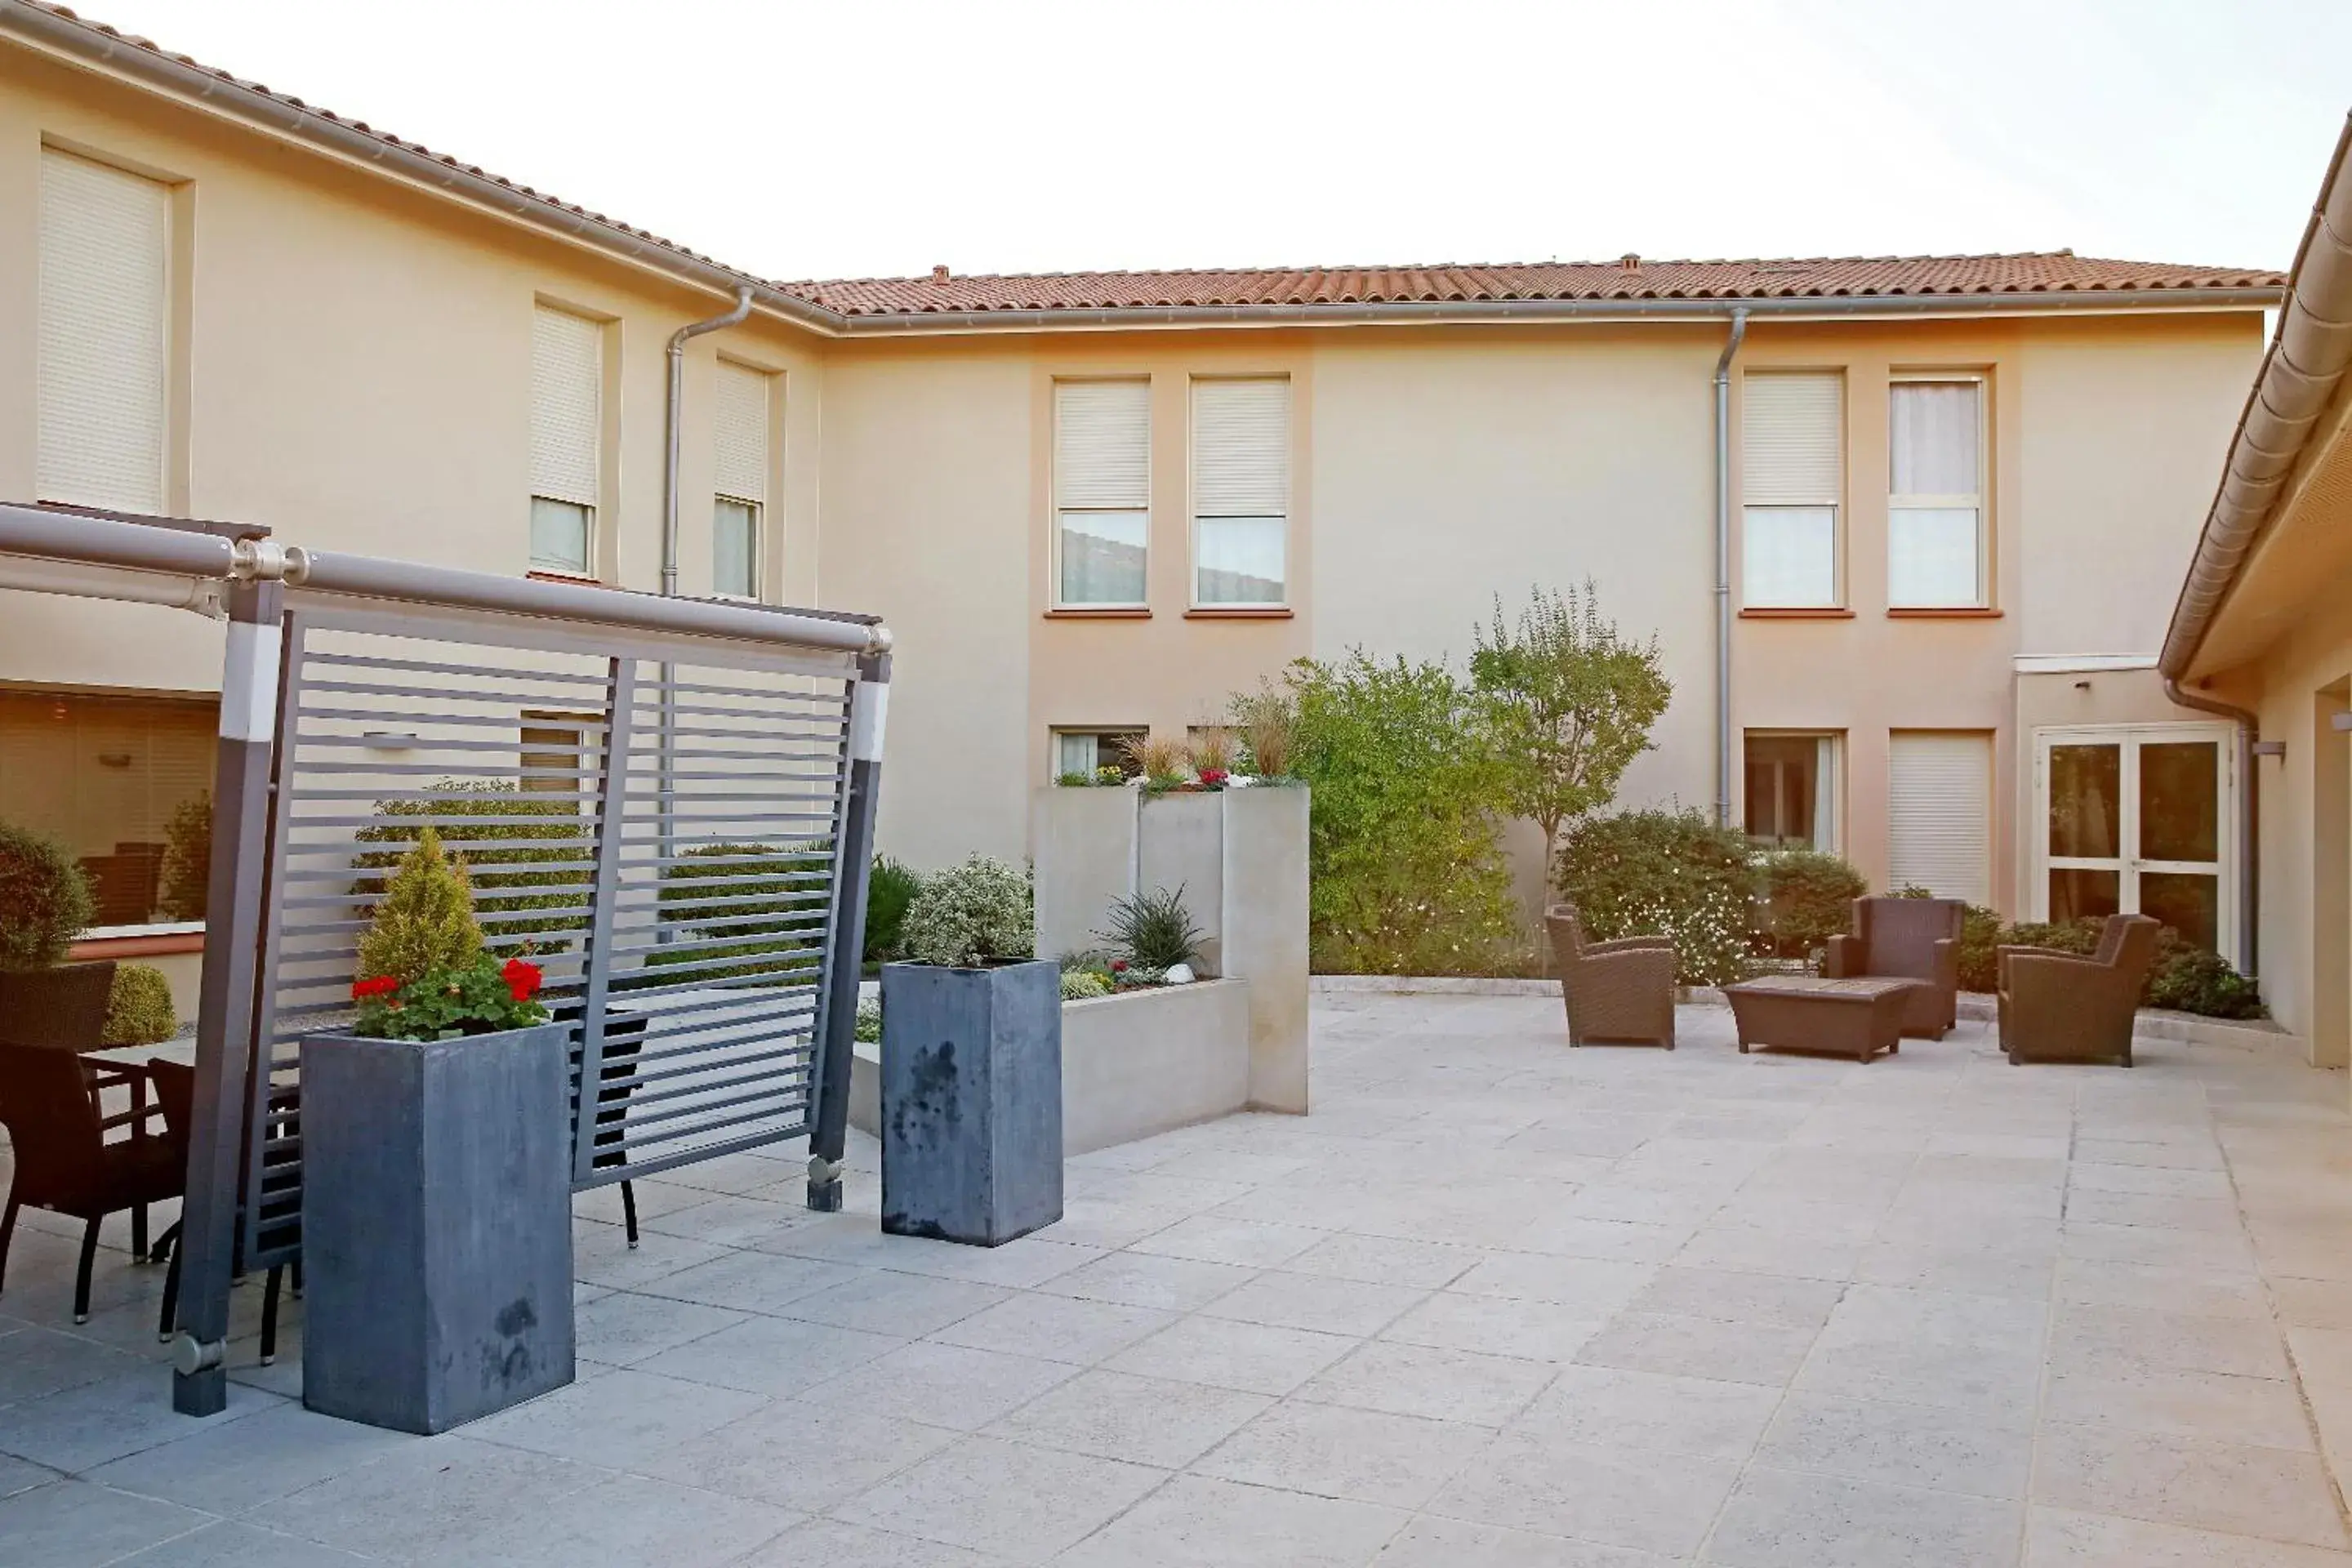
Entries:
{"x":2135,"y":822}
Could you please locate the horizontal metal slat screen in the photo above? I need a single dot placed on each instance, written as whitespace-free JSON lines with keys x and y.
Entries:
{"x":679,"y":941}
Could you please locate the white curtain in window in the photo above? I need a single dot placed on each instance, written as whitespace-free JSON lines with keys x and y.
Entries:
{"x":559,"y":536}
{"x":1789,"y":557}
{"x":1825,"y":795}
{"x":1934,"y":430}
{"x":1077,"y":754}
{"x":1933,"y":558}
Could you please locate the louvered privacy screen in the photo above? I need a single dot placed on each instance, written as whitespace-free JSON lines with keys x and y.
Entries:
{"x":1939,"y":810}
{"x":1241,"y":490}
{"x":1791,"y":479}
{"x":687,"y":947}
{"x":1102,"y":484}
{"x":105,"y":263}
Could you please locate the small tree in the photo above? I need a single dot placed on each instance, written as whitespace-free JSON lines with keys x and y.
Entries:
{"x":425,"y":920}
{"x":1569,"y":703}
{"x":45,"y":899}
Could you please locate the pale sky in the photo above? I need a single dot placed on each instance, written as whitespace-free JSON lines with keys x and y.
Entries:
{"x":795,"y":140}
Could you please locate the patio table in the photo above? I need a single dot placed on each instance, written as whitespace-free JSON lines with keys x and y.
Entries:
{"x":1805,"y":1013}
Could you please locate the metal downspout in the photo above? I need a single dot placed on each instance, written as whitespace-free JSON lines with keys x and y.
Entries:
{"x":666,"y":762}
{"x":2249,"y":879}
{"x":1723,"y":568}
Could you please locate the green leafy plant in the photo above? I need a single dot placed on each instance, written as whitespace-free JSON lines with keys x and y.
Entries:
{"x":538,"y":862}
{"x":890,"y":890}
{"x":1153,"y":931}
{"x":1567,"y":703}
{"x":45,"y":899}
{"x":1109,"y":774}
{"x":1806,"y":898}
{"x":1406,"y":868}
{"x":1159,"y":758}
{"x":1078,"y":985}
{"x":868,"y":1024}
{"x":1075,"y":779}
{"x":424,"y":972}
{"x":1666,"y":873}
{"x":139,"y":1009}
{"x":972,"y":914}
{"x":2190,"y":979}
{"x":188,"y":859}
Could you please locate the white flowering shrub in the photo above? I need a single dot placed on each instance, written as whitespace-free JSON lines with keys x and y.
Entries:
{"x":978,"y":912}
{"x":1666,"y":873}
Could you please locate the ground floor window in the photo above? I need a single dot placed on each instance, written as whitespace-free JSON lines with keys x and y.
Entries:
{"x":2132,"y":824}
{"x":125,"y":784}
{"x":1089,"y":750}
{"x":1940,"y":813}
{"x":1793,"y":789}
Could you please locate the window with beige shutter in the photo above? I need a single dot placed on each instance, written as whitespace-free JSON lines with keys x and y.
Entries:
{"x":1241,"y":491}
{"x":1935,"y":508}
{"x":1792,"y":479}
{"x":104,"y":337}
{"x":740,"y":479}
{"x":1102,"y":491}
{"x":567,"y":437}
{"x":1940,"y":813}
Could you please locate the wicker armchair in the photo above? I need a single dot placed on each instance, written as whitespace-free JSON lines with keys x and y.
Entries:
{"x":1622,"y":990}
{"x":1906,"y":939}
{"x":2066,"y":1007}
{"x":66,"y":1158}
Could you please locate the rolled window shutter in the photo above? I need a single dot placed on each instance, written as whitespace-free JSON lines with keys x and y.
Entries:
{"x":104,"y":348}
{"x":1102,"y":445}
{"x":1790,"y":445}
{"x":567,"y":376}
{"x":1241,"y":448}
{"x":1939,"y":808}
{"x":739,"y":413}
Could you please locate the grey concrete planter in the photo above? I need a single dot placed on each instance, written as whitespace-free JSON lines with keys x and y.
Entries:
{"x":972,"y":1100}
{"x":437,"y":1226}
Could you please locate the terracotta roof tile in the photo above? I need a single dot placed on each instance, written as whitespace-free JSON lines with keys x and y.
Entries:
{"x":1629,"y":279}
{"x":1889,"y":276}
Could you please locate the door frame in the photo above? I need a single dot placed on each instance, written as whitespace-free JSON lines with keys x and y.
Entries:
{"x":2128,"y":739}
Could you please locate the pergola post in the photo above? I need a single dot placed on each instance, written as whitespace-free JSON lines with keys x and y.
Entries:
{"x":829,"y":1121}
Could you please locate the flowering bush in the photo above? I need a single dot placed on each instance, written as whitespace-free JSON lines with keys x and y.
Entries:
{"x":1665,"y":873}
{"x":424,"y":971}
{"x":967,"y":915}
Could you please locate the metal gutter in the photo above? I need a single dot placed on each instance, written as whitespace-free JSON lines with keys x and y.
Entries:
{"x":2300,"y":376}
{"x":1723,"y":568}
{"x":96,"y":47}
{"x":674,"y":425}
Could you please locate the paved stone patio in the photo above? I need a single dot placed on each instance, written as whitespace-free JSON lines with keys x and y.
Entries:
{"x":1495,"y":1304}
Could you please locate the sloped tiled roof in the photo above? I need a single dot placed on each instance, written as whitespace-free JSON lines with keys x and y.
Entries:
{"x":844,"y":302}
{"x":1888,"y":277}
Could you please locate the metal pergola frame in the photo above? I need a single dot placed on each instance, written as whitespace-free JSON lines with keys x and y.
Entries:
{"x":256,"y":584}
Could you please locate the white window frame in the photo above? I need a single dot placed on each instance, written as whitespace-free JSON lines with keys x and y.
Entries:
{"x":1834,"y":596}
{"x":1054,"y":554}
{"x":1193,"y":515}
{"x":1098,"y":732}
{"x":2129,"y":868}
{"x":1978,"y":502}
{"x":759,"y":563}
{"x":1829,"y":781}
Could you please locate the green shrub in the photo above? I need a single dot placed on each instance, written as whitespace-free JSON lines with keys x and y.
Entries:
{"x":1153,"y":929}
{"x":2190,"y":979}
{"x":1665,"y":873}
{"x":869,"y":1026}
{"x":139,"y":1010}
{"x":1407,"y":874}
{"x":975,"y":913}
{"x":890,"y":888}
{"x":1980,"y":935}
{"x":554,"y":839}
{"x":424,"y":922}
{"x":1078,"y":985}
{"x":188,"y":859}
{"x":1075,"y":779}
{"x":45,"y":899}
{"x":1806,"y":898}
{"x":723,"y":892}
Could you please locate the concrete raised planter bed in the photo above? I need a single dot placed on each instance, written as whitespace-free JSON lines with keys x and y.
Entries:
{"x":437,"y":1226}
{"x":1132,"y":1065}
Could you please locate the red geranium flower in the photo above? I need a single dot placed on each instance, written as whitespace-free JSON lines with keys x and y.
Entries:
{"x":1213,"y":775}
{"x":1118,"y":966}
{"x":522,"y":979}
{"x":380,"y":986}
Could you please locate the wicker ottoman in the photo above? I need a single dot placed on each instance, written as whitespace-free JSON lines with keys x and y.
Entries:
{"x":1858,"y":1018}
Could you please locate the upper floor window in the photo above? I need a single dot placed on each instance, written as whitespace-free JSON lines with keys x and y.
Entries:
{"x":1241,"y":490}
{"x":567,"y":431}
{"x":1102,"y":484}
{"x":104,"y":336}
{"x":740,"y":480}
{"x":1791,"y":481}
{"x":1934,"y":511}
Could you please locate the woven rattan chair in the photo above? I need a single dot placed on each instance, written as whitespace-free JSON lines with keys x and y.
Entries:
{"x":1906,"y":939}
{"x":68,"y":1157}
{"x":61,"y":1009}
{"x":2066,"y":1008}
{"x":1622,"y":990}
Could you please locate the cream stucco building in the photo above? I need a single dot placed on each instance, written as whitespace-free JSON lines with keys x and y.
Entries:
{"x":1957,"y":490}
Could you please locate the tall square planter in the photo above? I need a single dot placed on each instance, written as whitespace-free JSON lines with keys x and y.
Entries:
{"x":437,"y":1226}
{"x":972,"y":1100}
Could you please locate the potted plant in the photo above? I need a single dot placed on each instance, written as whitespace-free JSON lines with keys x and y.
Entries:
{"x":45,"y":903}
{"x":437,"y":1159}
{"x":972,"y":1064}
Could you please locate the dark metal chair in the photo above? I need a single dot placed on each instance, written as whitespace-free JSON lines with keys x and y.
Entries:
{"x":66,"y":1158}
{"x":1622,"y":990}
{"x":1906,"y":939}
{"x":2067,"y":1007}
